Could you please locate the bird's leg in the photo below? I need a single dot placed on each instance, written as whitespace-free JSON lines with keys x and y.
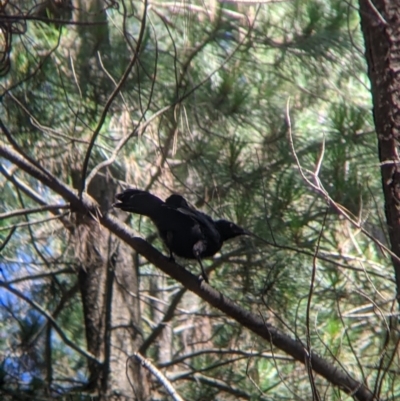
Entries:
{"x":203,"y":272}
{"x":198,"y":249}
{"x":168,"y":240}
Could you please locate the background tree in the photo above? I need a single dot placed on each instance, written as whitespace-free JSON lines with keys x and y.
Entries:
{"x":259,"y":114}
{"x":380,"y":27}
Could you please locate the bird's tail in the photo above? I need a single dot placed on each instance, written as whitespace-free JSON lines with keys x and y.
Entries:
{"x":139,"y":202}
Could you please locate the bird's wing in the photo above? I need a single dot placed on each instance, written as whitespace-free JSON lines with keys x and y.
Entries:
{"x":171,"y":219}
{"x":206,"y":223}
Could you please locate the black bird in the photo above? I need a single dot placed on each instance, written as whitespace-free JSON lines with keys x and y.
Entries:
{"x":186,"y":232}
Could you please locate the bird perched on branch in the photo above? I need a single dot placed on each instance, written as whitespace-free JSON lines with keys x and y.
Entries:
{"x":186,"y":232}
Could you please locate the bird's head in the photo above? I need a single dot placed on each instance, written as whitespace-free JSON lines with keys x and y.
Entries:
{"x":228,"y":230}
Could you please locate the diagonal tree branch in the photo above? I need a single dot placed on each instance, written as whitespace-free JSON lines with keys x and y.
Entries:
{"x":22,"y":212}
{"x":159,"y":375}
{"x":51,"y":319}
{"x":169,"y":314}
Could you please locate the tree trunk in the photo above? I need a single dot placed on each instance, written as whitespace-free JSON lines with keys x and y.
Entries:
{"x":108,"y":279}
{"x":380,"y":21}
{"x":109,"y":285}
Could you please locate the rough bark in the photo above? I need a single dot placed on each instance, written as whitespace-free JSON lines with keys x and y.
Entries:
{"x":108,"y":281}
{"x":380,"y":21}
{"x":92,"y":288}
{"x":109,"y":286}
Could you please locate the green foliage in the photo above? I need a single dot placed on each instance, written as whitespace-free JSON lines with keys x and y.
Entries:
{"x":231,"y":77}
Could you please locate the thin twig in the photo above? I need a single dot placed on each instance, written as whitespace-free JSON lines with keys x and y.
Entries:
{"x":113,"y":95}
{"x":50,"y":318}
{"x":31,"y":223}
{"x":10,"y":234}
{"x":21,"y":212}
{"x":308,"y":361}
{"x":159,"y":375}
{"x":318,"y":187}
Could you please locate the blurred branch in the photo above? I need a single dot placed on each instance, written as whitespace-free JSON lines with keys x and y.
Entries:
{"x":19,"y":149}
{"x":30,"y":223}
{"x":25,"y":188}
{"x":67,"y":270}
{"x":22,"y":17}
{"x":10,"y":234}
{"x":316,"y":395}
{"x":218,"y":351}
{"x":51,"y":319}
{"x":159,"y":375}
{"x":22,"y":212}
{"x":225,"y":387}
{"x":169,"y":314}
